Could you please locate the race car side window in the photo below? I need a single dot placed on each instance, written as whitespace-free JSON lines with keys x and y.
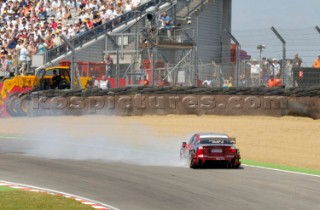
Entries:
{"x":192,"y":138}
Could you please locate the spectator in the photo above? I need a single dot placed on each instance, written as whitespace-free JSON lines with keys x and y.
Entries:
{"x":48,"y":9}
{"x":71,"y":31}
{"x":135,"y":3}
{"x":296,"y":62}
{"x":49,"y":41}
{"x":104,"y":84}
{"x":82,"y":29}
{"x":109,"y":62}
{"x":230,"y":82}
{"x":19,"y":44}
{"x":316,"y":63}
{"x":276,"y":68}
{"x":144,"y":81}
{"x":243,"y":81}
{"x":272,"y":82}
{"x":66,"y":14}
{"x":12,"y":43}
{"x":113,"y":13}
{"x":215,"y":81}
{"x":95,"y":82}
{"x":207,"y":82}
{"x":10,"y":65}
{"x":32,"y":48}
{"x":288,"y":71}
{"x":255,"y":72}
{"x":56,"y":79}
{"x":53,"y":24}
{"x":225,"y":83}
{"x":166,"y":23}
{"x":57,"y":40}
{"x":4,"y":63}
{"x":265,"y":69}
{"x":89,"y":23}
{"x":127,"y":7}
{"x":96,"y":19}
{"x":24,"y":54}
{"x":103,"y":14}
{"x":42,"y":34}
{"x":41,"y":46}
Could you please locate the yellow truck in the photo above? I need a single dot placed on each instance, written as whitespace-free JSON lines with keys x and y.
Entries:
{"x":12,"y":89}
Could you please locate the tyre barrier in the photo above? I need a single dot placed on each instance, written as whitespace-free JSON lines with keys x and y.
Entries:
{"x":277,"y":101}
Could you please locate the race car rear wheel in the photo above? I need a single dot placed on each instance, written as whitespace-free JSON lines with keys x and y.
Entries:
{"x":235,"y":163}
{"x":191,"y":161}
{"x":192,"y":165}
{"x":236,"y":166}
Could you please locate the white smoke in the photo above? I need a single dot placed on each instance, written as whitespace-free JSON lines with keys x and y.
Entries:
{"x":102,"y":138}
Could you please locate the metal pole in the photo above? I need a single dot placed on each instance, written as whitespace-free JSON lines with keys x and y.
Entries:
{"x":260,"y":68}
{"x":74,"y":69}
{"x":117,"y":68}
{"x":16,"y":70}
{"x":260,"y":48}
{"x":283,"y":54}
{"x":196,"y":53}
{"x":238,"y":54}
{"x":136,"y":66}
{"x":153,"y":64}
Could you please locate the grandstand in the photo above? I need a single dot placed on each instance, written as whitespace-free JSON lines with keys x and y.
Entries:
{"x":32,"y":30}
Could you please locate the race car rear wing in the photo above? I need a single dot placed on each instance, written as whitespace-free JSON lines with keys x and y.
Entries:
{"x":215,"y":140}
{"x":233,"y":140}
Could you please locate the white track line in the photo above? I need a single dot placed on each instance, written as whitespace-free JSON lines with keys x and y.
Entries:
{"x":96,"y":204}
{"x":280,"y":170}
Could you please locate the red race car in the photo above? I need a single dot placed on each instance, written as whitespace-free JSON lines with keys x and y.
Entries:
{"x":211,"y":148}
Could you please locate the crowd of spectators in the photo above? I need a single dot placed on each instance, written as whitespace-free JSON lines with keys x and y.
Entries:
{"x":29,"y":27}
{"x":260,"y":73}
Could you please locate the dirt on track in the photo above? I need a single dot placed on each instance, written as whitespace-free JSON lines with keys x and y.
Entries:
{"x":292,"y":141}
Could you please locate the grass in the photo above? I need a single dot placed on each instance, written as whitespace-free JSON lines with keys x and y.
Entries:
{"x":4,"y":188}
{"x":19,"y":199}
{"x":281,"y":167}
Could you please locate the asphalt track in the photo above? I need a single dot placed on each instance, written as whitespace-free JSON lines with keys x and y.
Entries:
{"x":134,"y":187}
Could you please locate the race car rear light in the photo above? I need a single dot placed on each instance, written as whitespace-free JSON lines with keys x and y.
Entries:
{"x":232,"y":150}
{"x":199,"y":151}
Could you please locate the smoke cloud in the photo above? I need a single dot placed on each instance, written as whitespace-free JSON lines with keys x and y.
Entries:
{"x":102,"y":138}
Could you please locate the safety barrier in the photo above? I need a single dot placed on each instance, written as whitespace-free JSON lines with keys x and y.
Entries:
{"x":180,"y":100}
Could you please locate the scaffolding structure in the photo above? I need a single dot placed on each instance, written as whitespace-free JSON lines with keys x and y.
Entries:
{"x":145,"y":49}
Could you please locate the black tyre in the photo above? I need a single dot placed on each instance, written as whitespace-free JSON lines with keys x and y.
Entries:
{"x":22,"y":105}
{"x":2,"y":107}
{"x":10,"y":105}
{"x":236,"y":166}
{"x":191,"y":162}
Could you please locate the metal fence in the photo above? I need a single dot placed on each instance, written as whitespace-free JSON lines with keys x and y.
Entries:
{"x":287,"y":55}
